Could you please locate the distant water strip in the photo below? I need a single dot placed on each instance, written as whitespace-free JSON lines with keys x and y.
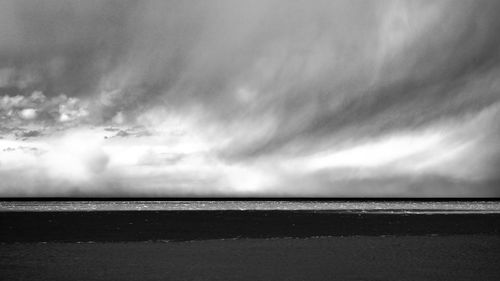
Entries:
{"x":399,"y":207}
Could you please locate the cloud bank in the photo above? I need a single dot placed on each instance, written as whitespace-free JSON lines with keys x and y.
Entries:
{"x":321,"y":98}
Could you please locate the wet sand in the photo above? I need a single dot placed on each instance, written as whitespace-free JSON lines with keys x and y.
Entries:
{"x":130,"y":226}
{"x":460,"y":257}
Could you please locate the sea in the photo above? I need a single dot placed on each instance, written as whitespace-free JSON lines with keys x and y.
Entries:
{"x":356,"y":205}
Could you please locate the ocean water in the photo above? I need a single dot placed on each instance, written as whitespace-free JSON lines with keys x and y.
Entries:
{"x":390,"y":206}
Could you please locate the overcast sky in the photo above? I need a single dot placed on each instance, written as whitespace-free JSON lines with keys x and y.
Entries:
{"x":249,"y":98}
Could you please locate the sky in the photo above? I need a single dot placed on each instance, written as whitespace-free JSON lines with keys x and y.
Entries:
{"x":250,"y":98}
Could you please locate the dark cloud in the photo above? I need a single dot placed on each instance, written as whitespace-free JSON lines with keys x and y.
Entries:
{"x":29,"y":134}
{"x":136,"y":131}
{"x":316,"y":54}
{"x":397,"y":186}
{"x":448,"y":71}
{"x":62,"y":47}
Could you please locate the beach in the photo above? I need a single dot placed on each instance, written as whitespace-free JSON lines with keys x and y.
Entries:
{"x":256,"y":241}
{"x":461,"y":257}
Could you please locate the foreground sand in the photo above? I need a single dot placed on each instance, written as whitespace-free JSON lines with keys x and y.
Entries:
{"x":459,"y":257}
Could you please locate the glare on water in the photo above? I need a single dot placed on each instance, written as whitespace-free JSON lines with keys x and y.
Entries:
{"x":323,"y":205}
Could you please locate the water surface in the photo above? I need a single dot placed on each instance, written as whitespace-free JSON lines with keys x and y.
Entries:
{"x":390,"y":206}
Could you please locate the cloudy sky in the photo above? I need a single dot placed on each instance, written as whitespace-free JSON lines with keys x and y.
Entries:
{"x":249,"y":98}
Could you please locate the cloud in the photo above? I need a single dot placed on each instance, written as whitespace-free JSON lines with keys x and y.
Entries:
{"x":38,"y":109}
{"x":28,"y":114}
{"x":151,"y":158}
{"x":29,"y":134}
{"x":74,"y":159}
{"x":381,"y":91}
{"x":61,"y":47}
{"x":318,"y":67}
